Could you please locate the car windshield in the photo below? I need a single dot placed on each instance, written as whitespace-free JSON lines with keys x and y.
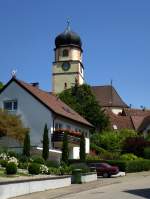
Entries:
{"x":105,"y":165}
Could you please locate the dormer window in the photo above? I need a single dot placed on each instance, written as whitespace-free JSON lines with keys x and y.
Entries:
{"x":10,"y":105}
{"x":65,"y":53}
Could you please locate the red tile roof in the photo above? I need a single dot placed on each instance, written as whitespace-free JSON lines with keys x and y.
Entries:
{"x":135,"y":119}
{"x":51,"y":101}
{"x":107,"y":96}
{"x":122,"y":122}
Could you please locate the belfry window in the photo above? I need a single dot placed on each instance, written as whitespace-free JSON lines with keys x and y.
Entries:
{"x":65,"y":53}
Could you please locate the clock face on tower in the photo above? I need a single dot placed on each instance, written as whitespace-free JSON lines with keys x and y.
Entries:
{"x":66,"y":66}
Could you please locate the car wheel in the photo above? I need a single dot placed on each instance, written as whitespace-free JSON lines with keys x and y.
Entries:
{"x":105,"y":175}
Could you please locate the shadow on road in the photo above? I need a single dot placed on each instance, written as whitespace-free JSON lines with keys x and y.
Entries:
{"x":140,"y":192}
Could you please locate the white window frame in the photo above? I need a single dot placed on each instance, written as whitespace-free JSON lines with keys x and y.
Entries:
{"x":12,"y":105}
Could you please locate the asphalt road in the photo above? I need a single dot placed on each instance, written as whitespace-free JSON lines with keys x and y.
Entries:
{"x":132,"y":186}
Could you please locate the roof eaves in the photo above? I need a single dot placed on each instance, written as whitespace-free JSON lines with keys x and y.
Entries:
{"x":55,"y":112}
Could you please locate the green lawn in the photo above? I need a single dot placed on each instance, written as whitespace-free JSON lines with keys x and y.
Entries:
{"x":2,"y":173}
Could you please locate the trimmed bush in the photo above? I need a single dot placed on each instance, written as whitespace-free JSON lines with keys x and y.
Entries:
{"x":147,"y":152}
{"x":138,"y":165}
{"x":11,"y":168}
{"x":38,"y":159}
{"x":34,"y":168}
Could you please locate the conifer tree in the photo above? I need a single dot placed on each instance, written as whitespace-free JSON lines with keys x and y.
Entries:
{"x":65,"y":151}
{"x":45,"y":152}
{"x":82,"y":148}
{"x":26,"y":145}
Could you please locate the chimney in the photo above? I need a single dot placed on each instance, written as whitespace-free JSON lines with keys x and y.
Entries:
{"x":35,"y":84}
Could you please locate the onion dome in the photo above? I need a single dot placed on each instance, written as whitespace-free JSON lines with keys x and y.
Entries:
{"x":68,"y":37}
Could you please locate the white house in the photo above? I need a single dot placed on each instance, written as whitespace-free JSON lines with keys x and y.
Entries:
{"x":37,"y":108}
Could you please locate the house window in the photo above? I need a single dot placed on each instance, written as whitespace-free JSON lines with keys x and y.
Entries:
{"x":10,"y":105}
{"x":58,"y":126}
{"x":68,"y":127}
{"x":65,"y":53}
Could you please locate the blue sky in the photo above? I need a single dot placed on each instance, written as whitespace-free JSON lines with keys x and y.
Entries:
{"x":115,"y":36}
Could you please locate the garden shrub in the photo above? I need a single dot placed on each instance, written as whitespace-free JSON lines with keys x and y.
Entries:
{"x":38,"y":159}
{"x":51,"y":163}
{"x":54,"y":171}
{"x":3,"y":163}
{"x":3,"y":156}
{"x":14,"y":160}
{"x":65,"y":170}
{"x":23,"y":158}
{"x":147,"y":153}
{"x":34,"y":168}
{"x":138,"y":165}
{"x":43,"y":169}
{"x":12,"y":154}
{"x":135,"y":145}
{"x":128,"y":156}
{"x":23,"y":165}
{"x":83,"y":166}
{"x":11,"y":168}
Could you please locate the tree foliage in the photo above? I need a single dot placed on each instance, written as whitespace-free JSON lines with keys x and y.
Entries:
{"x":111,"y":140}
{"x":26,"y":145}
{"x":11,"y":125}
{"x":82,"y":148}
{"x":45,"y":152}
{"x":1,"y":85}
{"x":81,"y":99}
{"x":65,"y":150}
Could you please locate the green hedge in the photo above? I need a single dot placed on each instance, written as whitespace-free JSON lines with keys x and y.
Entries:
{"x":127,"y":166}
{"x":138,"y":165}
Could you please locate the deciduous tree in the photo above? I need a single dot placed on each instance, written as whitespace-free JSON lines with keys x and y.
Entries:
{"x":11,"y":125}
{"x":82,"y":100}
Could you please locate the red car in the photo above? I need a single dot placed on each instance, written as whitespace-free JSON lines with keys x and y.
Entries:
{"x":104,"y":169}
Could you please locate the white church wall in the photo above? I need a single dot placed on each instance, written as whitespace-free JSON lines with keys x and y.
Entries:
{"x":116,"y":111}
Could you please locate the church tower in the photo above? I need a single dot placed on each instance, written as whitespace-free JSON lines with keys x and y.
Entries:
{"x":67,"y":67}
